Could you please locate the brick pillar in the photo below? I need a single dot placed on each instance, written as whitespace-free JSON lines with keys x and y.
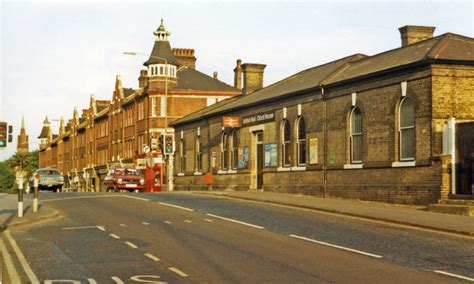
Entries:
{"x":445,"y":189}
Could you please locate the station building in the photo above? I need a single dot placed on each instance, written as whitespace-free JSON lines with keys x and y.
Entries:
{"x":394,"y":127}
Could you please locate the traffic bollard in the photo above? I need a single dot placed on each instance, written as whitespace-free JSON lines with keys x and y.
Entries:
{"x":35,"y":195}
{"x":20,"y":198}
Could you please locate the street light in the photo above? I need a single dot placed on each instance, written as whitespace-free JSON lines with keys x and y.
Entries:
{"x":171,"y":156}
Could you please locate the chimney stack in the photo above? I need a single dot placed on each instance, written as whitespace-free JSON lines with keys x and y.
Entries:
{"x":238,"y":75}
{"x":214,"y":75}
{"x":143,"y":79}
{"x":253,"y":77}
{"x":185,"y":56}
{"x":414,"y":34}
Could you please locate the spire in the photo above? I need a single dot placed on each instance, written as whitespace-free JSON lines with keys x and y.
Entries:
{"x":22,"y":121}
{"x":46,"y":121}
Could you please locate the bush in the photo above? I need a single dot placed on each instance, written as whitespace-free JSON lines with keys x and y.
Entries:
{"x":7,"y":179}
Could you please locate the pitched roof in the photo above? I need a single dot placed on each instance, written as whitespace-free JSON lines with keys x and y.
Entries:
{"x":161,"y":49}
{"x":303,"y":80}
{"x":444,"y":47}
{"x":128,"y":92}
{"x":191,"y":79}
{"x":44,"y":132}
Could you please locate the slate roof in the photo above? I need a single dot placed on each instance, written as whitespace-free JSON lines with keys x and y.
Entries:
{"x":303,"y":80}
{"x":443,"y":48}
{"x":44,"y":132}
{"x":161,"y":49}
{"x":191,"y":79}
{"x":127,"y":92}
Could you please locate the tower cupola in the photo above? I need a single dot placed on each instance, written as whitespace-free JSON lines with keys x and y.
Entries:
{"x":161,"y":33}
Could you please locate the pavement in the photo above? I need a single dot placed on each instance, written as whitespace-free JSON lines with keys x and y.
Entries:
{"x":413,"y":216}
{"x":9,"y":212}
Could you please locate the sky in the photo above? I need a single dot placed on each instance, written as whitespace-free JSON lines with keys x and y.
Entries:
{"x":55,"y":55}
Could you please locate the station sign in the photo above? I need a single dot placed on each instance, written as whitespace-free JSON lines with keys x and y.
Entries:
{"x":258,"y":118}
{"x":231,"y":122}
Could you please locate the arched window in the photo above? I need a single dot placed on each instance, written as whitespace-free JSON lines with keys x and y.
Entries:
{"x":356,"y":135}
{"x":406,"y":129}
{"x":286,"y":143}
{"x":301,"y":143}
{"x":198,"y":155}
{"x":235,"y":149}
{"x":225,"y":152}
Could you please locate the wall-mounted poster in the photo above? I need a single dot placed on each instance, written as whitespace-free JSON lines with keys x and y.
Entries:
{"x":243,"y":158}
{"x":270,"y":156}
{"x":313,"y":151}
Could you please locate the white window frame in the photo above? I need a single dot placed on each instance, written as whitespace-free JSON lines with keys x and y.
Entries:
{"x":301,"y":141}
{"x":352,"y":134}
{"x":400,"y":131}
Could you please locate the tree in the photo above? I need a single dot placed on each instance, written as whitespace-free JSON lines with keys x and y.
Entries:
{"x":27,"y":162}
{"x":7,"y":178}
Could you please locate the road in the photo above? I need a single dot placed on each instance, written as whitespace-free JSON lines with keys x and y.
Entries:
{"x":188,"y":238}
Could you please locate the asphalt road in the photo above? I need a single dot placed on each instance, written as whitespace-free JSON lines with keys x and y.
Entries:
{"x":187,"y":238}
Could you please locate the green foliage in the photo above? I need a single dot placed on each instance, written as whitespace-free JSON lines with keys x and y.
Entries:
{"x":27,"y":162}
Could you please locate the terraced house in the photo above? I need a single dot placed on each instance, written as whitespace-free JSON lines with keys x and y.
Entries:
{"x":394,"y":127}
{"x":116,"y":130}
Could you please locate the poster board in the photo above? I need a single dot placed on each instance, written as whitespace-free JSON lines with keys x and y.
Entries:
{"x":313,"y":151}
{"x":270,"y":155}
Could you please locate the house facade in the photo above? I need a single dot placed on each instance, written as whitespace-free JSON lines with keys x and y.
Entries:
{"x":383,"y":128}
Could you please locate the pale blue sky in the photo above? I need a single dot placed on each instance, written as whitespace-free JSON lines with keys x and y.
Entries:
{"x":54,"y":55}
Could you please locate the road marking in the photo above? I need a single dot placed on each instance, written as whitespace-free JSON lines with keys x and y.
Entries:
{"x":80,"y":228}
{"x":168,"y":222}
{"x":145,"y":223}
{"x":101,"y":228}
{"x":188,"y":221}
{"x":132,"y":245}
{"x":114,"y":236}
{"x":7,"y":259}
{"x":209,"y":220}
{"x":177,"y":271}
{"x":454,"y":275}
{"x":117,"y":280}
{"x":26,"y":267}
{"x":176,"y":206}
{"x":91,"y":281}
{"x":236,"y":221}
{"x":77,"y":197}
{"x":336,"y":246}
{"x":123,"y":225}
{"x":134,"y":197}
{"x":154,"y":258}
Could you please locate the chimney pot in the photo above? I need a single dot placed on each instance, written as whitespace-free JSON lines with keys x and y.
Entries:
{"x":214,"y":75}
{"x":238,"y":75}
{"x":414,"y":34}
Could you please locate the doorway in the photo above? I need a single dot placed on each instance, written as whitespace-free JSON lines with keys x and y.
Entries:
{"x":465,"y":158}
{"x":259,"y":159}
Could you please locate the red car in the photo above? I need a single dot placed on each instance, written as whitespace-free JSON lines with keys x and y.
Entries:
{"x":124,"y":179}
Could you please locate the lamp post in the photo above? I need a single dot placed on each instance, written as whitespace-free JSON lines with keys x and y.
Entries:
{"x":171,"y":156}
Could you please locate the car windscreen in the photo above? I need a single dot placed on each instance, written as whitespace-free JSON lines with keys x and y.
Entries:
{"x":48,"y":172}
{"x":128,"y":172}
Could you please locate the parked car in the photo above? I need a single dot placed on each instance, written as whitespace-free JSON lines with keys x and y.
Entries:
{"x":124,"y":178}
{"x":50,"y":179}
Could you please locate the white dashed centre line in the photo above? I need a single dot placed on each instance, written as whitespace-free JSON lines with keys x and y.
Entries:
{"x":117,"y":280}
{"x":177,"y":271}
{"x":336,"y":246}
{"x":132,"y":245}
{"x":114,"y":236}
{"x":168,"y":222}
{"x":101,"y":228}
{"x":209,"y":220}
{"x":236,"y":221}
{"x":123,"y":225}
{"x":176,"y":206}
{"x":145,"y":223}
{"x":152,"y":257}
{"x":454,"y":275}
{"x":188,"y":221}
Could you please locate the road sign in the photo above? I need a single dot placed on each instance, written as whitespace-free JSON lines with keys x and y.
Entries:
{"x":3,"y":134}
{"x":169,"y":143}
{"x":146,"y":149}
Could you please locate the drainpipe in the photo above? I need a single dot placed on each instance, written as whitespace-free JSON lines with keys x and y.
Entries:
{"x":324,"y":143}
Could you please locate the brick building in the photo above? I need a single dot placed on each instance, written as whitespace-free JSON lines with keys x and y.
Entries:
{"x":368,"y":127}
{"x":115,"y":131}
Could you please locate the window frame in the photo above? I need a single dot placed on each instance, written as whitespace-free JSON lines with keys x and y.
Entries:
{"x":198,"y":151}
{"x":235,"y":149}
{"x":285,"y":143}
{"x":404,"y":129}
{"x":355,"y":135}
{"x":301,"y":142}
{"x":224,"y":151}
